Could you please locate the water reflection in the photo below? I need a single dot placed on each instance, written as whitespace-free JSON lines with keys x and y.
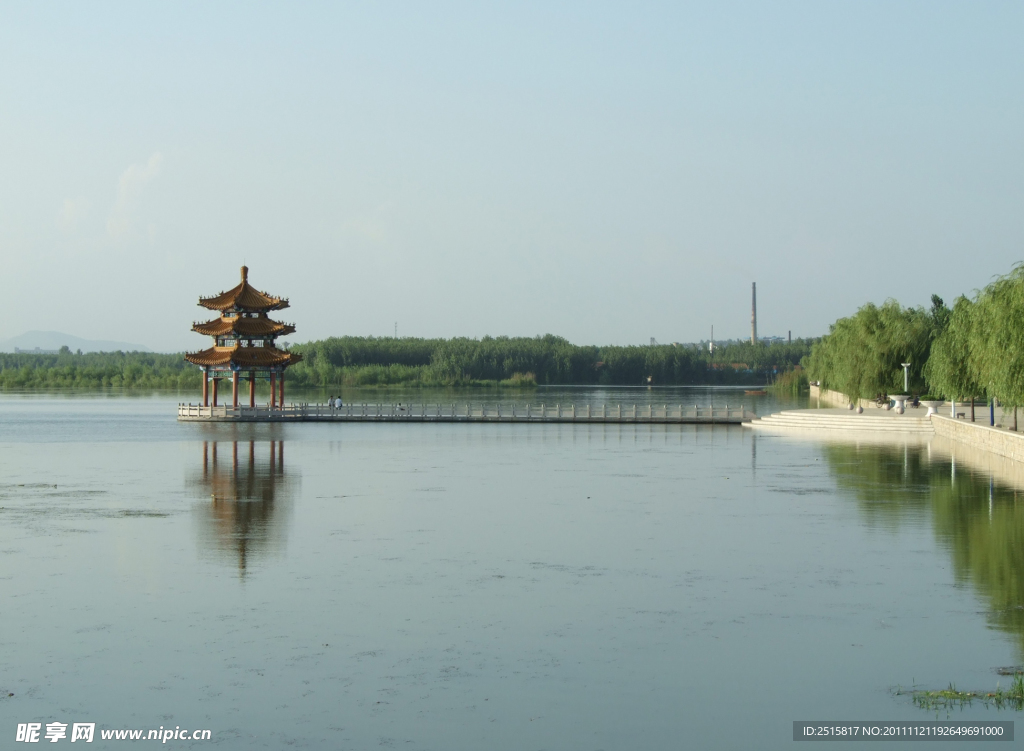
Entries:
{"x":976,"y":516}
{"x":250,"y":496}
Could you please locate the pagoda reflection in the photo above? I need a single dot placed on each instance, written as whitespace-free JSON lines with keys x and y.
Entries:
{"x":249,"y":500}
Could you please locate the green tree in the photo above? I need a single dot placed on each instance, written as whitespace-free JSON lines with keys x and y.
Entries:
{"x":950,"y":371}
{"x":862,"y":355}
{"x":940,"y":314}
{"x":997,"y":344}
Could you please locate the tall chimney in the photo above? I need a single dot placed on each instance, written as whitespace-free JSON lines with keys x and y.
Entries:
{"x":753,"y":313}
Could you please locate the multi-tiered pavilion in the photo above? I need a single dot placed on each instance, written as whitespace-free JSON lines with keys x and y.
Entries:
{"x":244,"y":343}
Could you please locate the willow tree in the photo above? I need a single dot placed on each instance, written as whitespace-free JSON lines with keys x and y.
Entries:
{"x":997,"y":343}
{"x":862,"y":355}
{"x":951,"y":371}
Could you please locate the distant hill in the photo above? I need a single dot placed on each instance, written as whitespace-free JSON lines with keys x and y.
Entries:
{"x":55,"y":340}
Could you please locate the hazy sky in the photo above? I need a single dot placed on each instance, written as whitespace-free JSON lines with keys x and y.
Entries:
{"x":606,"y":172}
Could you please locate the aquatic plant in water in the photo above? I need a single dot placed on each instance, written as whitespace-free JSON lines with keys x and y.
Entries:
{"x":950,"y":697}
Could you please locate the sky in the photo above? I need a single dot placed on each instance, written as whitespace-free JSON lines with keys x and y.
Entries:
{"x":605,"y":172}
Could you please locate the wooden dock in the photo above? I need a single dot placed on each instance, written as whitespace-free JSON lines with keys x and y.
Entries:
{"x":467,"y":412}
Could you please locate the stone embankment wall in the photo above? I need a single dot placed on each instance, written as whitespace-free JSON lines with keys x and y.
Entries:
{"x":996,"y":440}
{"x":982,"y":438}
{"x":834,"y":398}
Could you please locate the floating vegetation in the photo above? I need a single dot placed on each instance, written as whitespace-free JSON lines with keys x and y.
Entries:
{"x":1001,"y":698}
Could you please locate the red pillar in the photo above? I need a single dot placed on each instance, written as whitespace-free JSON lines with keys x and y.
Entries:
{"x":234,"y":390}
{"x":281,"y":402}
{"x":273,"y":391}
{"x":252,"y":390}
{"x":206,"y":389}
{"x":215,"y":381}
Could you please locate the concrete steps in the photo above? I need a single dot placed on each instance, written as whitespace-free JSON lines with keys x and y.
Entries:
{"x":817,"y":419}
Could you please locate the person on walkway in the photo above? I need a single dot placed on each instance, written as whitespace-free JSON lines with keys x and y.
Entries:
{"x":337,"y":404}
{"x":330,"y":402}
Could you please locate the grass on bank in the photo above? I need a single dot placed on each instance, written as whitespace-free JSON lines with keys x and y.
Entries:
{"x":793,"y":382}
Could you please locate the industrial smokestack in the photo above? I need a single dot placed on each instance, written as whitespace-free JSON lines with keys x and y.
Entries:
{"x":753,"y":313}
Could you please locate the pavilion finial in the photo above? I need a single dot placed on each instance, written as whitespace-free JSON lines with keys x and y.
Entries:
{"x":245,"y":273}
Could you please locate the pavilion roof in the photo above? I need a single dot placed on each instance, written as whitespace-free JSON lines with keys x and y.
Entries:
{"x":243,"y":357}
{"x":243,"y":327}
{"x":243,"y":297}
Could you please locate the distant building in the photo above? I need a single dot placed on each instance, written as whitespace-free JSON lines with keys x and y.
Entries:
{"x":36,"y":351}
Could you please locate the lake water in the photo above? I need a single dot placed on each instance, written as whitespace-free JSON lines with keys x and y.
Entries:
{"x":438,"y":586}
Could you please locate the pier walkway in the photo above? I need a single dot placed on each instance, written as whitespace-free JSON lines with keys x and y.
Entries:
{"x":671,"y":414}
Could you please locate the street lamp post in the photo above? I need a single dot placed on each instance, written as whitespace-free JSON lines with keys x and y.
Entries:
{"x":906,"y":377}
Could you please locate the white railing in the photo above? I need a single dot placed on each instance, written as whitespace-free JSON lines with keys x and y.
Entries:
{"x":468,"y":411}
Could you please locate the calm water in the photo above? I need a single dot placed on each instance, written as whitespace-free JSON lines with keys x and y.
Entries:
{"x":490,"y":586}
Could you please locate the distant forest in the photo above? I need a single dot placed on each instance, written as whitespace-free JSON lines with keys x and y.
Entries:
{"x":369,"y":361}
{"x":541,"y":360}
{"x":72,"y":370}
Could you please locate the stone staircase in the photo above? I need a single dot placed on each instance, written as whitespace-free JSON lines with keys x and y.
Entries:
{"x":845,"y":421}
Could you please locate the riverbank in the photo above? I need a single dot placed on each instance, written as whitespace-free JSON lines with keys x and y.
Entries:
{"x":1002,"y":419}
{"x":998,"y":439}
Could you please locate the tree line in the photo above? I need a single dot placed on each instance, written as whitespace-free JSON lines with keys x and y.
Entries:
{"x":384,"y":361}
{"x":975,"y":348}
{"x":540,"y":360}
{"x":96,"y":370}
